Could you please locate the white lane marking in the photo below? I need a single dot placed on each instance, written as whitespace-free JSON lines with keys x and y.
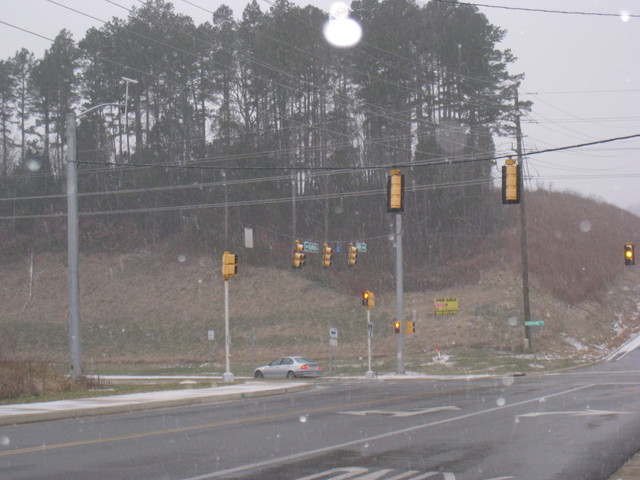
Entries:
{"x":318,"y":451}
{"x":401,"y":413}
{"x":360,"y":473}
{"x":573,"y":413}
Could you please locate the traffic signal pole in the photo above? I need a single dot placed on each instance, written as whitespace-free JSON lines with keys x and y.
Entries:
{"x":227,"y":376}
{"x":399,"y":293}
{"x":369,"y":373}
{"x":229,"y":269}
{"x":395,"y":204}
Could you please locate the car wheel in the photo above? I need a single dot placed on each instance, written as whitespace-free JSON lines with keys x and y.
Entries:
{"x":291,"y":374}
{"x":258,"y":374}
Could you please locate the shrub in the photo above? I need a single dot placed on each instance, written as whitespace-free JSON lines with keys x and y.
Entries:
{"x":34,"y":378}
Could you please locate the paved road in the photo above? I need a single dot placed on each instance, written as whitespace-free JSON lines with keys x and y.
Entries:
{"x":576,"y":425}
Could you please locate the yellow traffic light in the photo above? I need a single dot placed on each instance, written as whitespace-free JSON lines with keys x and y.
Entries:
{"x":229,"y":265}
{"x":510,"y":182}
{"x":629,"y":258}
{"x":298,"y":255}
{"x":365,"y":298}
{"x":396,"y":326}
{"x":410,"y":327}
{"x":395,"y":191}
{"x":326,"y":255}
{"x":368,"y":299}
{"x":353,"y":255}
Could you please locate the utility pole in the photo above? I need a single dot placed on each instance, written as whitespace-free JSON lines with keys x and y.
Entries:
{"x":126,"y":111}
{"x":523,"y":233}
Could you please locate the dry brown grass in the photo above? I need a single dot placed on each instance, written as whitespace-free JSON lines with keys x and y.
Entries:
{"x":157,"y":305}
{"x":29,"y":378}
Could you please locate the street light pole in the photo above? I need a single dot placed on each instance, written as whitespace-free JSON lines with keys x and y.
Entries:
{"x":75,"y":344}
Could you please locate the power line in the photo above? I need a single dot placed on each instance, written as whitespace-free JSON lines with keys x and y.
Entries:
{"x":262,"y":201}
{"x":541,"y":10}
{"x":327,"y":170}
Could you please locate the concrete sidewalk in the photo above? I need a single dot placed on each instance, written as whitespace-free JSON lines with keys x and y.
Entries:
{"x":44,"y":411}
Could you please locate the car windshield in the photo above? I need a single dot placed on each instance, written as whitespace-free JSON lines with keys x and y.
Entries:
{"x":428,"y":209}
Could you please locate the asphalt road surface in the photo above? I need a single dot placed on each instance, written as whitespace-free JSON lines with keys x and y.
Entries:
{"x":581,"y":424}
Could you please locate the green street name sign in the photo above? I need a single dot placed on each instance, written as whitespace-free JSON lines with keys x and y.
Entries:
{"x":534,"y":323}
{"x":311,"y":247}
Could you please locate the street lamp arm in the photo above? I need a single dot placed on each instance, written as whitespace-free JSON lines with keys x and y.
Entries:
{"x":100,"y":106}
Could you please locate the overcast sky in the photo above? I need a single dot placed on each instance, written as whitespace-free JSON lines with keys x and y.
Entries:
{"x":582,"y":73}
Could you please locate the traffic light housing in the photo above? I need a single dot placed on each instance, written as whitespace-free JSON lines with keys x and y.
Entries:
{"x":368,"y":299}
{"x":229,"y":265}
{"x":395,"y":191}
{"x":396,"y":326}
{"x":353,"y":255}
{"x":510,"y":182}
{"x":299,"y":256}
{"x":326,"y":255}
{"x":629,"y":258}
{"x":410,"y":327}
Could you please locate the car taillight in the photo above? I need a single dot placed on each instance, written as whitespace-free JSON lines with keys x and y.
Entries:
{"x":319,"y":367}
{"x":304,"y":367}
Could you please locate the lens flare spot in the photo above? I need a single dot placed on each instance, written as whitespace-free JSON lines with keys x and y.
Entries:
{"x":342,"y":32}
{"x":585,"y":226}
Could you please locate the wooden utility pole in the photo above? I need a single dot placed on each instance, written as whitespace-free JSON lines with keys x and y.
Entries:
{"x":523,"y":233}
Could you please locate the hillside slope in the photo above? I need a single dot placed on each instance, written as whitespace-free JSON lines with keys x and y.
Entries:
{"x":157,"y":305}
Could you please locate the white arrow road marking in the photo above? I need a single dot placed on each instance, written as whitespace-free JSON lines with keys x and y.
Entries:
{"x":573,"y":413}
{"x":409,"y":413}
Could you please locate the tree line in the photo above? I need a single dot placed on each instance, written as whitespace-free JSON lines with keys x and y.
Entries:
{"x":258,"y":121}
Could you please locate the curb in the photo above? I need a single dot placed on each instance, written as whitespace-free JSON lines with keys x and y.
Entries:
{"x":133,"y":402}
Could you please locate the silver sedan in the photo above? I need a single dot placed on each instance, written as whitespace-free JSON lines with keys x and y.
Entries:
{"x":289,"y":367}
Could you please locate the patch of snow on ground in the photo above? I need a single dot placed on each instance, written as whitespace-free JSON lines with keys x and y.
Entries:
{"x":573,"y":342}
